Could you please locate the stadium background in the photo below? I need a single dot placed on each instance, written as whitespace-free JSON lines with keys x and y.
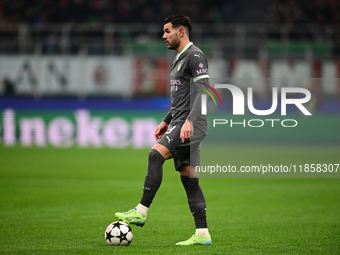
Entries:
{"x":93,"y":74}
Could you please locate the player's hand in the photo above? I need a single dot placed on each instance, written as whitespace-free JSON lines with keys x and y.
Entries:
{"x":187,"y":131}
{"x":160,"y":130}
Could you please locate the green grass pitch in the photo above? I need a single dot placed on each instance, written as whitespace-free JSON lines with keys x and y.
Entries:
{"x":60,"y":201}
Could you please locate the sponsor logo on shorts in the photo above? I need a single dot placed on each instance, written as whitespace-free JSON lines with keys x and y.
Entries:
{"x":170,"y":130}
{"x":169,"y":139}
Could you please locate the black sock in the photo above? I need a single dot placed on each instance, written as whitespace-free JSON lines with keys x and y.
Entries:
{"x":196,"y":200}
{"x":153,"y":178}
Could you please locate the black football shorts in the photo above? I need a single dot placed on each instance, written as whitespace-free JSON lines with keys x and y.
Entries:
{"x":187,"y":153}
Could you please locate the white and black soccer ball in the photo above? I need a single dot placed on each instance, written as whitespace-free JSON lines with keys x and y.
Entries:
{"x":118,"y":233}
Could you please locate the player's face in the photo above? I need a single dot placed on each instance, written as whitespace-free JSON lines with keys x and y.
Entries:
{"x":171,"y":36}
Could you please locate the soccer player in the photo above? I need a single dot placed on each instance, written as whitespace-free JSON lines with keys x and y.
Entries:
{"x":180,"y":133}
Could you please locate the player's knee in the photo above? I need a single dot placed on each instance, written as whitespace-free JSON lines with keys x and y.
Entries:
{"x":164,"y":151}
{"x":154,"y":155}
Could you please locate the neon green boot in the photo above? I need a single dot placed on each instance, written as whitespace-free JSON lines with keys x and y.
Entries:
{"x":131,"y":217}
{"x":196,"y":239}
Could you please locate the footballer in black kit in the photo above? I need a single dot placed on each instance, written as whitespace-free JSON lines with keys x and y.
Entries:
{"x":180,"y":133}
{"x":189,"y":73}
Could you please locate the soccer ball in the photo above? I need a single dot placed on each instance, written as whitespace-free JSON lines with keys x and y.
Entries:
{"x":118,"y":233}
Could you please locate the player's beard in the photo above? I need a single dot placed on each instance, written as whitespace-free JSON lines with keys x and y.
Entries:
{"x":174,"y":44}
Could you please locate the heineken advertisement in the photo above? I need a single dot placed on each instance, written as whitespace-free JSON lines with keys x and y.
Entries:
{"x":84,"y":127}
{"x":80,"y":127}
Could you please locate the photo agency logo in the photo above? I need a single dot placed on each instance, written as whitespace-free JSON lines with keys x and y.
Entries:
{"x":204,"y":106}
{"x":239,"y":105}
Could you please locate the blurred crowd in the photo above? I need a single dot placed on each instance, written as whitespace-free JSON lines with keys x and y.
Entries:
{"x":316,"y":20}
{"x":108,"y":11}
{"x":323,"y":12}
{"x":301,"y":18}
{"x":203,"y":11}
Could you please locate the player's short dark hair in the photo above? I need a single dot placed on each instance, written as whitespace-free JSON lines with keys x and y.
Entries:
{"x":179,"y":20}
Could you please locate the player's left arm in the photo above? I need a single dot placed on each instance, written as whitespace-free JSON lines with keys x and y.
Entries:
{"x":199,"y":70}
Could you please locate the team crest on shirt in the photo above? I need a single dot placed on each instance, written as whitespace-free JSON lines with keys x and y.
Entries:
{"x":200,"y":65}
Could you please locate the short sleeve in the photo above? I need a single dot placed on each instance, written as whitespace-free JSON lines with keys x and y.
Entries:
{"x":199,"y":66}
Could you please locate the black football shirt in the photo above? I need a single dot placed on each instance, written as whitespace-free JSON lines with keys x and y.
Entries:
{"x":189,"y":71}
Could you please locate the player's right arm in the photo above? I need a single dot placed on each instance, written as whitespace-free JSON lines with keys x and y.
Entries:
{"x":163,"y":126}
{"x":160,"y":130}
